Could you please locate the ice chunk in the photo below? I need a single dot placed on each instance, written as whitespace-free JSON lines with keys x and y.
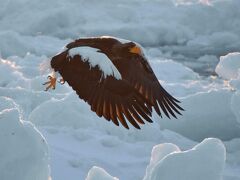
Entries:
{"x":229,"y":66}
{"x":158,"y":153}
{"x":204,"y":161}
{"x":208,"y":114}
{"x":97,"y":173}
{"x":23,"y":152}
{"x":172,"y":72}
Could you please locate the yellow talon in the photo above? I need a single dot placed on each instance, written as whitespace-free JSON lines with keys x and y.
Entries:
{"x":51,"y":83}
{"x":62,"y":81}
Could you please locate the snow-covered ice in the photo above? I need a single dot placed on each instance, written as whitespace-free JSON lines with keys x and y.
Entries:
{"x":158,"y":153}
{"x":193,"y":47}
{"x":204,"y":161}
{"x":229,"y":69}
{"x":229,"y":66}
{"x":205,"y":110}
{"x":96,"y":173}
{"x":23,"y":152}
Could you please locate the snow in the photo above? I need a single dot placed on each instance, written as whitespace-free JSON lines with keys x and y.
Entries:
{"x":95,"y":58}
{"x":192,"y":46}
{"x":24,"y":152}
{"x":123,"y":41}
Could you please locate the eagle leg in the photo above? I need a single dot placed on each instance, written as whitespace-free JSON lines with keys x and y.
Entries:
{"x":51,"y":83}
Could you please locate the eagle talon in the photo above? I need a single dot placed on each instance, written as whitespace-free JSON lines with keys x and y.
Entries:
{"x":51,"y":83}
{"x":61,"y":81}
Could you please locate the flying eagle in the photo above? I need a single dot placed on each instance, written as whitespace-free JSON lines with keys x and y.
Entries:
{"x":114,"y":77}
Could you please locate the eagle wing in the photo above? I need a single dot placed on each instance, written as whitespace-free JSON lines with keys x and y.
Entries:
{"x":115,"y":99}
{"x":137,"y":71}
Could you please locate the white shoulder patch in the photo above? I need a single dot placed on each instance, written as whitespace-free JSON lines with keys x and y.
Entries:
{"x":96,"y":59}
{"x":123,"y":41}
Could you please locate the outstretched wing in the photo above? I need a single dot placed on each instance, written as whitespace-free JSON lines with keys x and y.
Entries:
{"x":137,"y":71}
{"x":107,"y":94}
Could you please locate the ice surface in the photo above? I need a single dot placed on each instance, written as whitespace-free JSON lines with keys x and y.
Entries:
{"x":7,"y":103}
{"x":21,"y":45}
{"x":205,"y":161}
{"x":23,"y":152}
{"x":194,"y":33}
{"x":57,"y":112}
{"x":9,"y":68}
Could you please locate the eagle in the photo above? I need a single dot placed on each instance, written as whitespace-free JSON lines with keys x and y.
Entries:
{"x":115,"y":78}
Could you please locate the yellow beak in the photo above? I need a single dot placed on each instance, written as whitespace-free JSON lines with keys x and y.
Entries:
{"x":136,"y":50}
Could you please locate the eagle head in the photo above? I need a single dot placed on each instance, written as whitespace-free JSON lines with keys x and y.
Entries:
{"x":58,"y":61}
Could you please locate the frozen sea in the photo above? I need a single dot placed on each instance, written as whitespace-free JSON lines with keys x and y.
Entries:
{"x":194,"y":49}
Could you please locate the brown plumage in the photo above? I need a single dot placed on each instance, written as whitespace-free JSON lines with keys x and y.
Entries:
{"x":126,"y":99}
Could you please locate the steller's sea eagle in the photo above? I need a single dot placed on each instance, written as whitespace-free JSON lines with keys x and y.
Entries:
{"x":114,"y":77}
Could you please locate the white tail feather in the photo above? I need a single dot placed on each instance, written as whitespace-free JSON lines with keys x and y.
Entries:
{"x":45,"y":67}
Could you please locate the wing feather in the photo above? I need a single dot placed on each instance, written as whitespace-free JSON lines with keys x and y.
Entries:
{"x":140,"y":75}
{"x":135,"y":115}
{"x":120,"y":116}
{"x":106,"y":108}
{"x":142,"y":113}
{"x":128,"y":115}
{"x":172,"y":106}
{"x":113,"y":114}
{"x":114,"y":99}
{"x":95,"y":101}
{"x":168,"y":108}
{"x":130,"y":98}
{"x":100,"y":103}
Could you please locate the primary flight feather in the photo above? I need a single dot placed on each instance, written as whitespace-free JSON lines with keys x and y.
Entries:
{"x":114,"y":77}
